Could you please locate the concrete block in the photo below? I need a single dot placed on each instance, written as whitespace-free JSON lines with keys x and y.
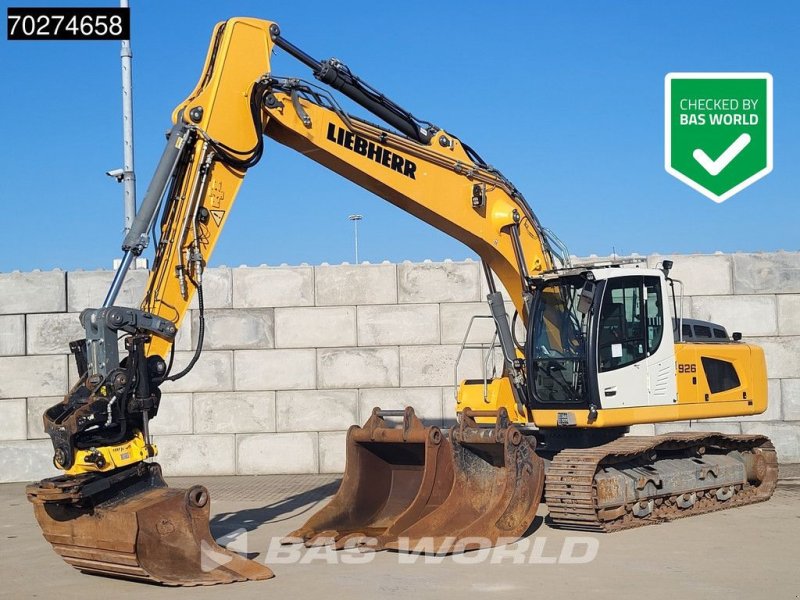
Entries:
{"x":194,"y":455}
{"x":217,"y":289}
{"x":782,"y":355}
{"x":184,"y":339}
{"x":234,"y":412}
{"x":439,"y":282}
{"x":397,"y":324}
{"x":426,"y":402}
{"x":12,"y":335}
{"x":456,"y":318}
{"x":35,"y":411}
{"x":25,"y":376}
{"x":28,"y":460}
{"x":88,"y":289}
{"x":273,"y":286}
{"x":72,"y":372}
{"x":449,"y":416}
{"x":643,"y":429}
{"x":355,"y":284}
{"x":277,"y":453}
{"x":773,"y":273}
{"x":732,"y":428}
{"x":701,"y":274}
{"x":316,"y":410}
{"x":790,"y":399}
{"x":789,"y":314}
{"x":52,"y":333}
{"x":785,"y":437}
{"x":687,"y":304}
{"x":275,"y":369}
{"x":213,"y":372}
{"x":243,"y":328}
{"x":13,"y":419}
{"x":315,"y":327}
{"x":750,"y":315}
{"x":358,"y":367}
{"x":332,"y":451}
{"x":174,"y":415}
{"x":34,"y":292}
{"x":435,"y":365}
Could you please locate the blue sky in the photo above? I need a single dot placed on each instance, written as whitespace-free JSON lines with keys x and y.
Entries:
{"x":566,"y":98}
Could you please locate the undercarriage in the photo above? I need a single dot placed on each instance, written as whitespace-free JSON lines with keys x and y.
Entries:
{"x":636,"y":481}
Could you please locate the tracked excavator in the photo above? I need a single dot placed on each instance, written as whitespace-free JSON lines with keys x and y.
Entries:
{"x":605,"y":348}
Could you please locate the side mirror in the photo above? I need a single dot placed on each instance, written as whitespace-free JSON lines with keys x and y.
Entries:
{"x":586,"y":297}
{"x":666,"y":266}
{"x":737,"y":336}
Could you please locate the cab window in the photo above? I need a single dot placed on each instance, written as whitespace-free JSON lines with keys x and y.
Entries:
{"x":631,"y":321}
{"x":655,"y":313}
{"x":621,"y":339}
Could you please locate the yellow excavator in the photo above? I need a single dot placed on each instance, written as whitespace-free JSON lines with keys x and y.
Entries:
{"x":605,"y":347}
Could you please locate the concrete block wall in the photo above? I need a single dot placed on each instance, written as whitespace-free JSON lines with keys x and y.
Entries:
{"x":295,"y":355}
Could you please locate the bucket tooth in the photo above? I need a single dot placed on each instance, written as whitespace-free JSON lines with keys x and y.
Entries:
{"x":393,"y":477}
{"x":129,"y":524}
{"x":323,"y":538}
{"x":496,"y":491}
{"x":355,"y":540}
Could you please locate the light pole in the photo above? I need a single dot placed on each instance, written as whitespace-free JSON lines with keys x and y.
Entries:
{"x":355,"y":219}
{"x":128,"y":176}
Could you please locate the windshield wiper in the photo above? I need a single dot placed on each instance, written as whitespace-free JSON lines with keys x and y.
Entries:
{"x":565,"y":387}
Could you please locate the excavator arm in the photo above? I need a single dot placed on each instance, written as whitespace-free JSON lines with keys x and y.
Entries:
{"x":217,"y":135}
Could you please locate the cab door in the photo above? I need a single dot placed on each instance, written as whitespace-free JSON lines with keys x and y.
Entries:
{"x":622,"y":371}
{"x":635,"y":350}
{"x":661,"y":382}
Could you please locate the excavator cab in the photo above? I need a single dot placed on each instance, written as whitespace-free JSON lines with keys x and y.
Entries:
{"x":595,"y":336}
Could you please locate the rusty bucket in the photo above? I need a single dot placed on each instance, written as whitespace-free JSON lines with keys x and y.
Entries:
{"x":393,"y":477}
{"x":410,"y":488}
{"x":496,"y":490}
{"x":131,"y":525}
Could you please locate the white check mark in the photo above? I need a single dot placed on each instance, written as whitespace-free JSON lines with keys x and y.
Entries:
{"x":716,"y":166}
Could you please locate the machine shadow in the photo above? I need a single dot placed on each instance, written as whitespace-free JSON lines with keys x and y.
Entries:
{"x":228,"y":524}
{"x":534,"y":526}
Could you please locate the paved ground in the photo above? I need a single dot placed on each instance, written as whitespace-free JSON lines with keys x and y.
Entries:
{"x":750,"y":552}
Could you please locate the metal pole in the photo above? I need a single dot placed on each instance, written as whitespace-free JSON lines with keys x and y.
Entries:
{"x":128,"y":176}
{"x":355,"y":219}
{"x":355,"y":225}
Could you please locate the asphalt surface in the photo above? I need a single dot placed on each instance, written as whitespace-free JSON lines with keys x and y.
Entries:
{"x":748,"y":552}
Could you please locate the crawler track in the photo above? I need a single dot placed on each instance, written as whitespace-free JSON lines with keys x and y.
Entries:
{"x":571,"y":489}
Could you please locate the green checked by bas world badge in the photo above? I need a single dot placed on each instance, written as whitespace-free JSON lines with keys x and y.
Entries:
{"x":718,"y":130}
